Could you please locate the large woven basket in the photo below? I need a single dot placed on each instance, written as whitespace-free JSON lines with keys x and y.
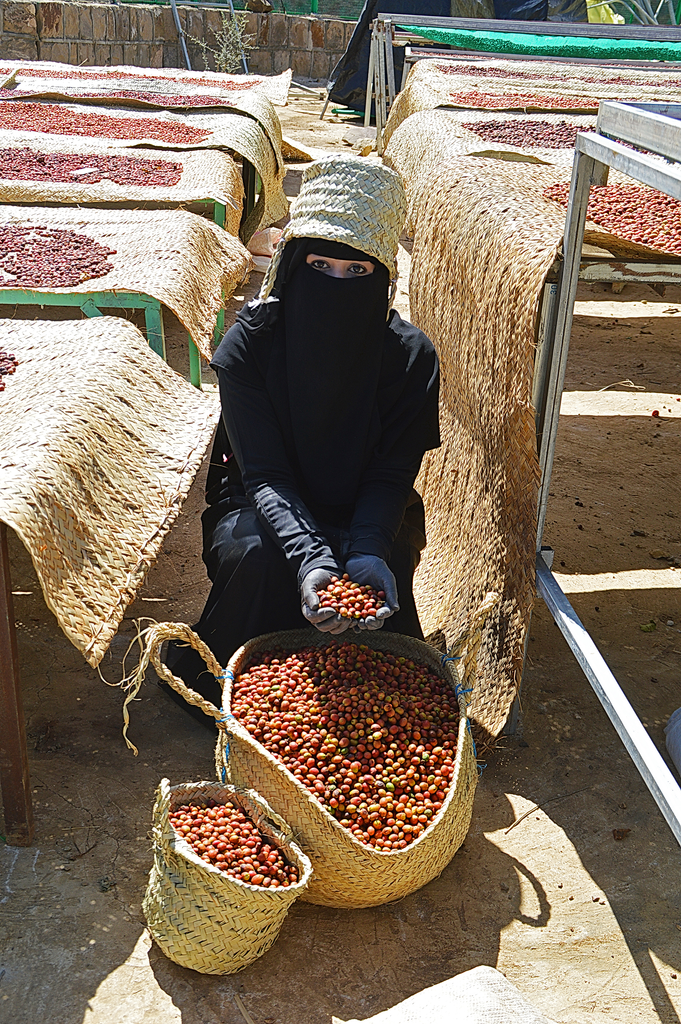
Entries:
{"x":347,"y":873}
{"x":200,"y":917}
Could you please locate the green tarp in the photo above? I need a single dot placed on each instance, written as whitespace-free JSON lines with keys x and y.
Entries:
{"x":550,"y":46}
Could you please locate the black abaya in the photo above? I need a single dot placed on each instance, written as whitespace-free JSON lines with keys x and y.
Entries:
{"x":327,"y":411}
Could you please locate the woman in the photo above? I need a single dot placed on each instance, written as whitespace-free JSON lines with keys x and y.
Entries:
{"x":329,"y":401}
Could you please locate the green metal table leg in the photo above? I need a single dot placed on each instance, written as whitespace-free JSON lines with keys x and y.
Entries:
{"x":219,"y":326}
{"x":219,"y":214}
{"x":153,"y":319}
{"x":194,"y":364}
{"x":90,"y":309}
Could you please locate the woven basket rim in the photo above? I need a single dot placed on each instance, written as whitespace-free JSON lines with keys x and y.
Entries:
{"x":261,"y":750}
{"x":181,"y":848}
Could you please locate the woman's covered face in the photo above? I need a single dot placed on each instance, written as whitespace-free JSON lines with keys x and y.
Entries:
{"x":339,"y":268}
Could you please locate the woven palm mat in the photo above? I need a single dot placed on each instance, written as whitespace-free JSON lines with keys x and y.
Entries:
{"x":478,"y":265}
{"x":207,"y":175}
{"x":239,"y":132}
{"x":184,"y":260}
{"x":431,"y":138}
{"x":99,"y":444}
{"x":428,"y":87}
{"x":32,"y":75}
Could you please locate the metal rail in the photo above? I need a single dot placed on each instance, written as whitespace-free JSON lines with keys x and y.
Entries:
{"x":652,"y":33}
{"x":643,"y":752}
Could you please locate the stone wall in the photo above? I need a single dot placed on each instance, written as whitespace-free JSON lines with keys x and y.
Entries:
{"x":145,"y":36}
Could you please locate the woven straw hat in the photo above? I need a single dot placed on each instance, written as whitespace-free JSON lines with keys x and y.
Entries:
{"x":347,"y":199}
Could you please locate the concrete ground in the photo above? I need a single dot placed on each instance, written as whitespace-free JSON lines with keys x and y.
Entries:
{"x":587,"y":926}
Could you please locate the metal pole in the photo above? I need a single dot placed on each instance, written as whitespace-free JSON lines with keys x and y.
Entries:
{"x":389,"y":64}
{"x":14,"y":777}
{"x":638,"y":743}
{"x":180,"y":33}
{"x":585,"y":171}
{"x":370,"y":77}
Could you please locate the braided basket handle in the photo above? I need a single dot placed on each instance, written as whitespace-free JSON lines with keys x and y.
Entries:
{"x":153,"y":638}
{"x":180,"y":631}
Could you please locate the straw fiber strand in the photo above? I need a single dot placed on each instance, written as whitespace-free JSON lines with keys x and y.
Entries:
{"x":200,"y":917}
{"x":347,"y":872}
{"x":92,"y":497}
{"x":184,"y":260}
{"x":484,"y":241}
{"x":207,"y":175}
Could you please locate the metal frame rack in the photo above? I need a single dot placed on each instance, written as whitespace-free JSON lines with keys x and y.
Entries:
{"x":653,"y":128}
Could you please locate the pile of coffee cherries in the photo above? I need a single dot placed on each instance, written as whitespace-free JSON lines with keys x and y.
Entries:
{"x":8,"y":364}
{"x":559,"y":135}
{"x":55,"y":119}
{"x":28,"y":165}
{"x":635,"y":212}
{"x":41,"y":257}
{"x":519,"y":101}
{"x":223,"y":835}
{"x":161,"y":99}
{"x":350,"y":600}
{"x":372,"y":735}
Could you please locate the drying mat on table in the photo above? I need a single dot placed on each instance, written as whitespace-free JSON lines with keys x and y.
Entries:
{"x":207,"y":175}
{"x":555,"y":74}
{"x":31,"y":75}
{"x":184,"y":260}
{"x":484,"y":240}
{"x":428,"y":87}
{"x":240,"y":133}
{"x":430,"y":138}
{"x":93,"y":495}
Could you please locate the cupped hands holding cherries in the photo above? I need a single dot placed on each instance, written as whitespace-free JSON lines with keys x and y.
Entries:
{"x":363,"y":597}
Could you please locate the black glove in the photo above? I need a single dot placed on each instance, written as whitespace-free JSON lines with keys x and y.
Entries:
{"x":325,"y":619}
{"x":372,"y":571}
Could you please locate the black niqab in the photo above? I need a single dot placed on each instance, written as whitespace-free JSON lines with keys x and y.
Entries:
{"x":335,"y":332}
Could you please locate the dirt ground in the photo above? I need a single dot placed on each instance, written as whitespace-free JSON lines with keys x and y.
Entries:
{"x":587,"y":927}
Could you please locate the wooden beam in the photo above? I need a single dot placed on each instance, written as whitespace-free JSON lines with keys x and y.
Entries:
{"x":14,"y":777}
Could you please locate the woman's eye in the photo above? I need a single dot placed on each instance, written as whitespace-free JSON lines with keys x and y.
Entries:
{"x":357,"y":269}
{"x":320,"y":265}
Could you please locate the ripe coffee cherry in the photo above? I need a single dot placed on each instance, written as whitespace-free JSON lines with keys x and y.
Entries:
{"x":350,"y":600}
{"x":223,"y":835}
{"x":372,"y":735}
{"x":635,"y":212}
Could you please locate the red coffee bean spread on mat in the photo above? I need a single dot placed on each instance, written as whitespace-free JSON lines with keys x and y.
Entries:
{"x":88,"y":75}
{"x":634,"y":212}
{"x":350,"y":600}
{"x":28,"y":165}
{"x":53,"y":119}
{"x":39,"y":257}
{"x":8,"y":364}
{"x":161,"y":99}
{"x":560,"y":135}
{"x":224,"y":836}
{"x":372,"y":735}
{"x":542,"y":74}
{"x":501,"y":101}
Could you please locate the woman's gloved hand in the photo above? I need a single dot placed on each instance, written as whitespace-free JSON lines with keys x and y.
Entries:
{"x":372,"y":571}
{"x":325,"y":619}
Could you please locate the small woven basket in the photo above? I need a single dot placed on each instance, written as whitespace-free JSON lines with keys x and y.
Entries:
{"x":347,"y":873}
{"x":200,"y":917}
